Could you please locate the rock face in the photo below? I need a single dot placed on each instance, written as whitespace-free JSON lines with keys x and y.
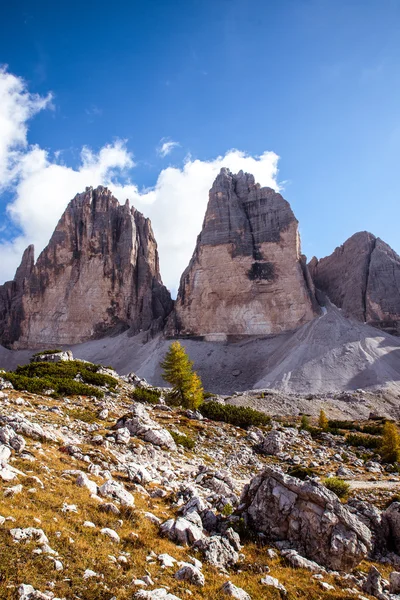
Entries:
{"x":362,"y":277}
{"x":247,"y":275}
{"x":308,"y":517}
{"x":98,"y":274}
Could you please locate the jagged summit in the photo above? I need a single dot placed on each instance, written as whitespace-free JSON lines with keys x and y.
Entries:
{"x":362,"y":276}
{"x":98,"y":274}
{"x":247,"y":275}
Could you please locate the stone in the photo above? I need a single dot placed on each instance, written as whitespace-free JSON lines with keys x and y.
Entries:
{"x":5,"y":454}
{"x":29,"y":534}
{"x":190,"y":573}
{"x":83,"y":481}
{"x":299,"y":562}
{"x":247,"y":275}
{"x":52,"y":357}
{"x":361,"y":277}
{"x":307,"y":516}
{"x":139,"y":423}
{"x":394,"y":579}
{"x":273,"y":443}
{"x":391,"y":518}
{"x":99,"y":274}
{"x":374,"y":584}
{"x":273,"y":582}
{"x":110,"y":533}
{"x":221,"y":551}
{"x":158,"y":594}
{"x":235,"y":592}
{"x":115,"y":490}
{"x":15,"y":441}
{"x":182,"y":530}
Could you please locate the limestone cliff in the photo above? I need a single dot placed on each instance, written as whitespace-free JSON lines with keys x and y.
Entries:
{"x":247,"y":275}
{"x":98,"y":274}
{"x":362,"y":277}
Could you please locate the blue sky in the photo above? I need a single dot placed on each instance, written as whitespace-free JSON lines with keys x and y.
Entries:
{"x":314,"y":81}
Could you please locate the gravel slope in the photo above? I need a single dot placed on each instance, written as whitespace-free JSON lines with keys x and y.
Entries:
{"x":332,"y":353}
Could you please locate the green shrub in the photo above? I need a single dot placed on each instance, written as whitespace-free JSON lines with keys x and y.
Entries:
{"x":301,"y":472}
{"x":305,"y":422}
{"x":337,"y":486}
{"x":240,"y":416}
{"x":60,"y":377}
{"x":146,"y":395}
{"x":61,"y":386}
{"x":56,"y":351}
{"x":367,"y":441}
{"x":227,"y":510}
{"x":183,"y":440}
{"x":370,"y":428}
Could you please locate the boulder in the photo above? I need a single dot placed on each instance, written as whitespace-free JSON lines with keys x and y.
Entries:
{"x":116,"y":491}
{"x":159,"y":594}
{"x":307,"y":516}
{"x":235,"y":592}
{"x":190,"y":573}
{"x":221,"y":551}
{"x":53,"y":357}
{"x":140,"y":424}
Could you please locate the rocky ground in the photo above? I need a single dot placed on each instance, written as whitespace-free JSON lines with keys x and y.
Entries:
{"x":98,"y":501}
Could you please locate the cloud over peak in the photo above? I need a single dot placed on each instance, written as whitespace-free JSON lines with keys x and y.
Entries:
{"x":41,"y":187}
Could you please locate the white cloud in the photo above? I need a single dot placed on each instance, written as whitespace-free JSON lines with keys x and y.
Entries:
{"x":166,"y":147}
{"x":41,"y":187}
{"x":17,"y":106}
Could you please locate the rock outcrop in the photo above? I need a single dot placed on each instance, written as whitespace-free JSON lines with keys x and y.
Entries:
{"x":99,"y":274}
{"x":362,"y":277}
{"x":308,"y":517}
{"x":247,"y":275}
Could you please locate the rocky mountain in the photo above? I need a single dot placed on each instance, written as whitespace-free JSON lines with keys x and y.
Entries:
{"x":103,"y":496}
{"x":99,"y":274}
{"x":247,"y":275}
{"x":362,"y":277}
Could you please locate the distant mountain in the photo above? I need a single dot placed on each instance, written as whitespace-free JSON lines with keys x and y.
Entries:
{"x":362,"y":277}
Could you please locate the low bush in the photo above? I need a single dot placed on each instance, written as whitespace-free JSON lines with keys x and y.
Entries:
{"x":370,"y":428}
{"x":337,"y":486}
{"x":60,"y":386}
{"x":301,"y":472}
{"x":68,"y":369}
{"x":56,"y":351}
{"x":183,"y":440}
{"x":367,"y":441}
{"x":147,"y":396}
{"x":60,"y":377}
{"x":227,"y":510}
{"x":240,"y":416}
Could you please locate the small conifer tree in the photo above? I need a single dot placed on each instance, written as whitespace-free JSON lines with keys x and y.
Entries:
{"x":187,"y":389}
{"x":305,"y":422}
{"x":390,"y":448}
{"x":323,"y":421}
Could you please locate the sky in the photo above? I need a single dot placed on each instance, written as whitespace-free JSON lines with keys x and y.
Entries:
{"x":153,"y":98}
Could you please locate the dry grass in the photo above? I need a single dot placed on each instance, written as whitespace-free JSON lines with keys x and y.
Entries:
{"x":82,"y":548}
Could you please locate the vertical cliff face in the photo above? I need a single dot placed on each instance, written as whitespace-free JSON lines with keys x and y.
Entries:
{"x":362,"y":277}
{"x":246,"y":276}
{"x":98,"y":274}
